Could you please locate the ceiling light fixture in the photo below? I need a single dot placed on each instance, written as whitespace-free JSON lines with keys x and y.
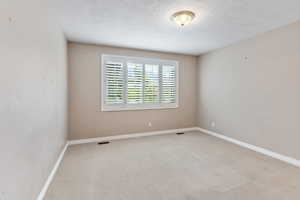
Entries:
{"x":183,"y":18}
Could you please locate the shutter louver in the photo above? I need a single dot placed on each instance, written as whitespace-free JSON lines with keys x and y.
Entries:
{"x":134,"y":83}
{"x":114,"y":74}
{"x":168,"y":84}
{"x":151,"y":90}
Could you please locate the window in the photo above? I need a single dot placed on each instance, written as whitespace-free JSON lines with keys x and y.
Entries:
{"x":132,"y":83}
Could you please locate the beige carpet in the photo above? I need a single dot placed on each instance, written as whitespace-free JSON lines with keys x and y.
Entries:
{"x":193,"y":166}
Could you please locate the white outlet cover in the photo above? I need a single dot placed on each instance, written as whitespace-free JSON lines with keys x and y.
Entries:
{"x":213,"y":124}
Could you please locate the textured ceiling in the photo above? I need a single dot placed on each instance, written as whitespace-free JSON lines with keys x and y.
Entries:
{"x":145,"y":24}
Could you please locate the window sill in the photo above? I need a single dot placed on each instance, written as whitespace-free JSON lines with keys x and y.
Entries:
{"x":110,"y":108}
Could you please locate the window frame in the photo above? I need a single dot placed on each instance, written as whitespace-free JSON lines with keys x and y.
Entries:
{"x":137,"y":60}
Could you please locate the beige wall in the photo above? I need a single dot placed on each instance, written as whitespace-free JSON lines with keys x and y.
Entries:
{"x":33,"y":100}
{"x":86,"y":118}
{"x":251,"y":90}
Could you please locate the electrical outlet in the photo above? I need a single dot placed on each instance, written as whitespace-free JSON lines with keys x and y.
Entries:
{"x":2,"y":196}
{"x":212,"y":124}
{"x":149,"y":124}
{"x":11,"y":20}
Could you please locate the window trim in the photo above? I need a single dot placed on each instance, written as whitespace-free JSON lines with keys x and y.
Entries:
{"x":125,"y":60}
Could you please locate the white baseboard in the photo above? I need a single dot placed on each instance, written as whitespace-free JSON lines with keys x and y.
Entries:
{"x":133,"y":135}
{"x":51,"y":176}
{"x":267,"y":152}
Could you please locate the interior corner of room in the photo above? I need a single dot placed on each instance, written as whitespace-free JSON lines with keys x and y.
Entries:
{"x":91,"y":102}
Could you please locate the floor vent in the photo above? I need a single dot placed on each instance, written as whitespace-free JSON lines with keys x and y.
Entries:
{"x":104,"y":142}
{"x":179,"y":133}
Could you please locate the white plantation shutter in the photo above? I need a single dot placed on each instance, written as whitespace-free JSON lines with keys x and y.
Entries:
{"x":134,"y":83}
{"x":114,"y":76}
{"x":151,"y":79}
{"x":131,"y":83}
{"x":168,"y":85}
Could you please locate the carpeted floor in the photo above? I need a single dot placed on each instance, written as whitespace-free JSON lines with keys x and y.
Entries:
{"x":193,"y":166}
